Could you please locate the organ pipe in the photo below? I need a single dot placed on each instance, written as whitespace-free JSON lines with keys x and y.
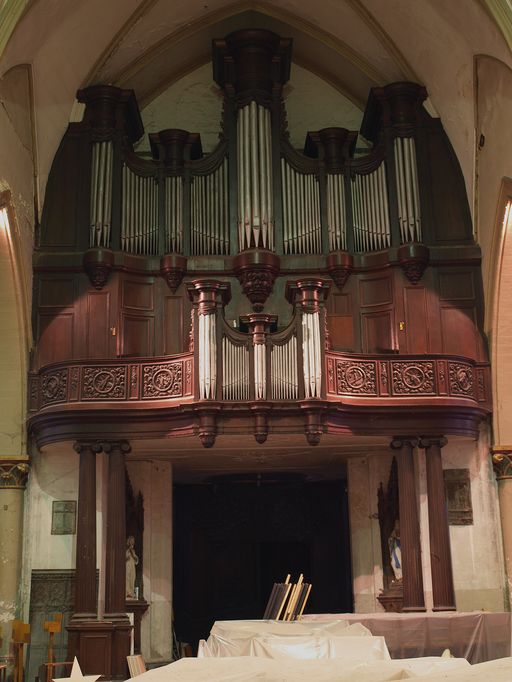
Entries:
{"x":283,"y":370}
{"x":370,"y":211}
{"x":209,"y":214}
{"x":174,"y":214}
{"x":235,"y":367}
{"x":207,"y":356}
{"x":139,"y":213}
{"x":101,"y":194}
{"x":312,"y":357}
{"x":336,"y":216}
{"x":302,"y":233}
{"x":254,"y":174}
{"x":409,"y":213}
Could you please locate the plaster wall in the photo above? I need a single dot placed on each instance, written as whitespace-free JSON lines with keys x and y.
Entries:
{"x":477,"y":554}
{"x":154,"y":481}
{"x":53,"y":476}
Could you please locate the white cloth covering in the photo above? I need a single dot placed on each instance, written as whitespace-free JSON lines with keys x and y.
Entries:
{"x":253,"y":669}
{"x":274,"y":639}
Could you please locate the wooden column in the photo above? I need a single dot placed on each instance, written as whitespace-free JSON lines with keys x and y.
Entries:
{"x":85,"y":572}
{"x":414,"y":599}
{"x":440,"y":556}
{"x":115,"y":569}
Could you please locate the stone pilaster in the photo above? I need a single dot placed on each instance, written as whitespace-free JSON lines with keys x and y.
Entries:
{"x":502,"y":463}
{"x":13,"y":479}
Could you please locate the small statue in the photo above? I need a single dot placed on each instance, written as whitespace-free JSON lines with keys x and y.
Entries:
{"x":395,"y":552}
{"x":131,"y":561}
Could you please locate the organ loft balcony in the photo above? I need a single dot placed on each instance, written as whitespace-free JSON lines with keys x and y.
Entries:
{"x":257,"y":288}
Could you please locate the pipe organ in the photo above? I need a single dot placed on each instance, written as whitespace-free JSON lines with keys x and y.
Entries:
{"x":255,"y":291}
{"x":170,"y":238}
{"x":254,"y":191}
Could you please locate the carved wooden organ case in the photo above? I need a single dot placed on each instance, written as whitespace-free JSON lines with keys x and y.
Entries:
{"x":257,"y":288}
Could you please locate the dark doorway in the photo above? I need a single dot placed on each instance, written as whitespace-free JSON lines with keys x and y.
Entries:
{"x":235,"y":538}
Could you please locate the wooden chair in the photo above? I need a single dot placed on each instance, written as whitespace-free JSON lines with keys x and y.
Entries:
{"x":136,"y":665}
{"x":3,"y":672}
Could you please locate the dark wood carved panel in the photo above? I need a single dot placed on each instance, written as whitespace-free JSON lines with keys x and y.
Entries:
{"x":56,"y":292}
{"x":451,"y":217}
{"x":97,"y":324}
{"x":173,"y":321}
{"x":413,"y":378}
{"x":341,"y":321}
{"x":416,"y":330}
{"x":459,"y":331}
{"x":104,"y":383}
{"x":137,"y":335}
{"x":458,"y":285}
{"x":162,"y":380}
{"x":55,"y":332}
{"x":137,"y":294}
{"x":64,"y":222}
{"x":376,"y":291}
{"x":378,"y":332}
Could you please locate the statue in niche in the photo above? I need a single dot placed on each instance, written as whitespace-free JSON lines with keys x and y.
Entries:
{"x":395,"y":552}
{"x":391,"y":596}
{"x":131,"y":562}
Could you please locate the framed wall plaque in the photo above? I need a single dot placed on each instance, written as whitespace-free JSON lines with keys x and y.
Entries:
{"x":457,"y":487}
{"x":63,"y":517}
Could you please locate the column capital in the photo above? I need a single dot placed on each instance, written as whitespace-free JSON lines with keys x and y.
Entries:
{"x":116,"y":446}
{"x":307,"y":294}
{"x":209,"y":294}
{"x":259,"y":325}
{"x":399,"y":442}
{"x":502,"y":461}
{"x":13,"y":473}
{"x":83,"y":446}
{"x":426,"y":443}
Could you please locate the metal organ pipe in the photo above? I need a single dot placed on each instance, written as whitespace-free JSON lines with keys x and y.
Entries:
{"x":139,"y":213}
{"x":283,"y":370}
{"x":209,"y":217}
{"x":301,"y":211}
{"x":336,"y":216}
{"x":235,"y":364}
{"x":254,"y":156}
{"x":101,"y":193}
{"x":312,"y":357}
{"x":174,"y":214}
{"x":409,"y":212}
{"x":370,"y":211}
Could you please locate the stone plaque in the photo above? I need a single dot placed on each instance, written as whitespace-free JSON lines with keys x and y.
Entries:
{"x":457,"y":487}
{"x":64,"y":517}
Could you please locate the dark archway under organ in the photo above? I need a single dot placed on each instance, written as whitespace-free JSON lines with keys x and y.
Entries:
{"x":235,"y":537}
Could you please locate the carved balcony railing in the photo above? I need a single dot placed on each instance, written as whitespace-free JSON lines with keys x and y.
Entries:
{"x":370,"y":381}
{"x":113,"y":382}
{"x":410,"y":379}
